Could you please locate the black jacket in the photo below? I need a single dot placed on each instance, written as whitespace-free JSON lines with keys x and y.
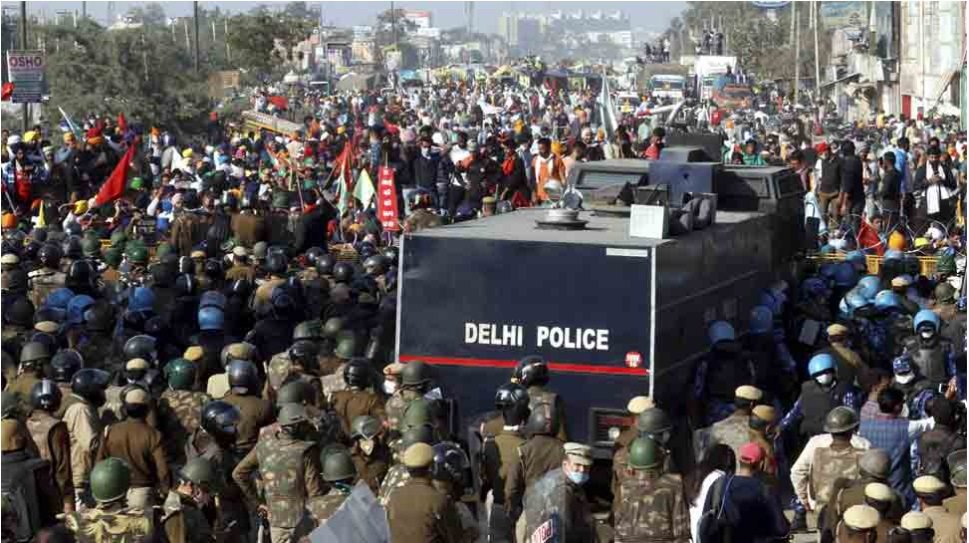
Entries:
{"x":425,"y":170}
{"x":830,"y":180}
{"x":891,"y":185}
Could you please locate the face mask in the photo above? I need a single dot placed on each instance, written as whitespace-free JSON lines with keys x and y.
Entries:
{"x":367,"y":445}
{"x":390,"y":387}
{"x":904,"y":378}
{"x":579,"y":478}
{"x":425,"y":152}
{"x":927,"y":334}
{"x":825,"y":379}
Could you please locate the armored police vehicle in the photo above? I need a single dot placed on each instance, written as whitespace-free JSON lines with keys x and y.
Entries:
{"x":614,"y":315}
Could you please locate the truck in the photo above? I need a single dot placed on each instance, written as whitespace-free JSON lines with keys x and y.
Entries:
{"x":614,"y":315}
{"x":668,"y":87}
{"x":652,"y":75}
{"x":708,"y":69}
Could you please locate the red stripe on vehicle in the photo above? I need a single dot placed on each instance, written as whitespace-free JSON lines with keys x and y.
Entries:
{"x":554,"y":366}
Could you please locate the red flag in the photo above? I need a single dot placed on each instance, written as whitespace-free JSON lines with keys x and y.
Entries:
{"x":868,"y":238}
{"x":387,"y":199}
{"x":7,"y":91}
{"x":113,"y":188}
{"x":122,"y":123}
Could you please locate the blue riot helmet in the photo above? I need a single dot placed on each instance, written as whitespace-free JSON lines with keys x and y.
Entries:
{"x":827,"y":271}
{"x":211,"y":318}
{"x":869,"y":286}
{"x":893,"y":254}
{"x":57,"y":302}
{"x":852,"y":302}
{"x":820,"y":363}
{"x":761,"y":320}
{"x":926,"y":323}
{"x":845,"y":275}
{"x":212,"y":298}
{"x":814,"y":287}
{"x":720,"y":331}
{"x":77,"y":307}
{"x":857,"y":259}
{"x":887,"y":300}
{"x":142,"y":299}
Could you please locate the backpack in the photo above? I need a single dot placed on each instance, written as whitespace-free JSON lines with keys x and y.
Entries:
{"x":715,"y":525}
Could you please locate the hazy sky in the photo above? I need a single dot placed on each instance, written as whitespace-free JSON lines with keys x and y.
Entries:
{"x":648,"y":15}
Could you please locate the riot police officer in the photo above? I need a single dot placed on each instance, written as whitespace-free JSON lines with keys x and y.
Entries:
{"x":541,"y":453}
{"x":26,"y":478}
{"x":34,"y":356}
{"x":52,"y":438}
{"x":369,"y":451}
{"x":48,"y":277}
{"x":819,"y":396}
{"x":532,"y":373}
{"x":179,"y":408}
{"x":933,"y":354}
{"x":718,"y":375}
{"x":339,"y":472}
{"x":184,"y":520}
{"x":110,"y":520}
{"x":359,"y":400}
{"x":499,"y":453}
{"x":254,"y":412}
{"x":650,"y":504}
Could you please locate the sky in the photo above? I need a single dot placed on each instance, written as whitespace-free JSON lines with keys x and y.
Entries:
{"x":447,"y":14}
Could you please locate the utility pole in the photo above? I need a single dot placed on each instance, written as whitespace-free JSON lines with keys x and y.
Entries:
{"x":921,"y":57}
{"x":393,"y":22}
{"x":195,"y":6}
{"x":188,"y":44}
{"x":228,"y":54}
{"x":213,"y":30}
{"x":83,"y":10}
{"x":817,"y":59}
{"x":797,"y":52}
{"x":23,"y":45}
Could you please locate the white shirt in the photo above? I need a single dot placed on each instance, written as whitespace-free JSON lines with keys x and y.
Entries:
{"x":696,"y":508}
{"x":801,"y":470}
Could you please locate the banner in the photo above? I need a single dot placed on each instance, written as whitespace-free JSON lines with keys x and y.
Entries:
{"x":26,"y":71}
{"x":387,"y":200}
{"x":843,"y":14}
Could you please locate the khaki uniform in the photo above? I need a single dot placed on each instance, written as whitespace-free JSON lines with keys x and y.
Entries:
{"x":254,"y":413}
{"x":538,"y":456}
{"x":184,"y":522}
{"x":653,"y":508}
{"x":237,"y":272}
{"x":179,"y":413}
{"x":956,"y":504}
{"x":22,"y":384}
{"x":350,"y":404}
{"x":396,"y":477}
{"x":140,"y":445}
{"x":42,"y":282}
{"x":372,"y":469}
{"x":54,"y":445}
{"x":290,"y":471}
{"x":84,"y":427}
{"x":419,"y":513}
{"x":248,"y":228}
{"x":110,"y":523}
{"x":947,"y":526}
{"x":499,"y":453}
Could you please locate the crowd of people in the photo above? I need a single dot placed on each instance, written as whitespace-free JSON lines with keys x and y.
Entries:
{"x":198,"y":336}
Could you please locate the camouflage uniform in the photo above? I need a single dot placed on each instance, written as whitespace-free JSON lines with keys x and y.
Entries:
{"x":281,"y":371}
{"x":178,"y":414}
{"x":184,"y":522}
{"x":110,"y":523}
{"x":322,"y":508}
{"x":333,"y":383}
{"x":396,"y":404}
{"x":732,"y":431}
{"x":290,"y":471}
{"x":828,"y":466}
{"x":653,"y":508}
{"x":396,"y":477}
{"x":231,"y":505}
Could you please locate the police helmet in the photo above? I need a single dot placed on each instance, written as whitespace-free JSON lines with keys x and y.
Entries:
{"x":332,"y":327}
{"x":34,"y":353}
{"x":840,"y":419}
{"x":89,"y":383}
{"x":49,"y":255}
{"x":451,"y":464}
{"x":211,"y":318}
{"x":45,"y":395}
{"x":375,"y":265}
{"x":869,"y":286}
{"x":415,"y":373}
{"x":390,"y":253}
{"x":199,"y":471}
{"x":312,"y":254}
{"x":653,"y":421}
{"x":141,"y":300}
{"x":531,"y":371}
{"x":342,"y":272}
{"x":275,"y":263}
{"x":512,"y":400}
{"x":820,"y":363}
{"x":20,"y":312}
{"x":243,"y":375}
{"x":110,"y":480}
{"x":721,"y":331}
{"x":357,"y":372}
{"x":346,"y":345}
{"x":307,"y":330}
{"x":886,"y":300}
{"x":325,"y":264}
{"x":65,"y":364}
{"x":91,"y":247}
{"x":77,"y":307}
{"x":297,"y":391}
{"x":543,"y":420}
{"x":926,"y":318}
{"x":365,"y":427}
{"x":761,"y":320}
{"x":180,"y":374}
{"x":644,"y":453}
{"x":338,"y":465}
{"x":220,"y":419}
{"x":186,"y":265}
{"x":141,"y":346}
{"x":304,"y":352}
{"x":80,"y":275}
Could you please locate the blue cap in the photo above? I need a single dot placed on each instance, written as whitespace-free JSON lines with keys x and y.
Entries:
{"x":721,"y":331}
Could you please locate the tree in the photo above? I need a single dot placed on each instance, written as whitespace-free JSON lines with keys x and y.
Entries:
{"x":262,"y":40}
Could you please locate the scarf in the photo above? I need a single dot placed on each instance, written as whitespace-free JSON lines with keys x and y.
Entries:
{"x":508,"y":165}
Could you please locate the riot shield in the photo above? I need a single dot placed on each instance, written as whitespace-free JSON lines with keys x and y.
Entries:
{"x":359,"y":518}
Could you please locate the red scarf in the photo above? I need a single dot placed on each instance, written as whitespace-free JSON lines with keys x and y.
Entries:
{"x":508,"y":165}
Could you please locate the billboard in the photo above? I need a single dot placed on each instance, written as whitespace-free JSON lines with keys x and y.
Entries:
{"x":844,"y":14}
{"x":26,"y":70}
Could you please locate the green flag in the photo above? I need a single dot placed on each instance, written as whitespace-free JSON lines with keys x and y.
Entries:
{"x":364,"y":190}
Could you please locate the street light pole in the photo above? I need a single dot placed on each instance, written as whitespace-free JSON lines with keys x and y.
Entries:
{"x":196,"y":17}
{"x":23,"y":45}
{"x":797,"y":52}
